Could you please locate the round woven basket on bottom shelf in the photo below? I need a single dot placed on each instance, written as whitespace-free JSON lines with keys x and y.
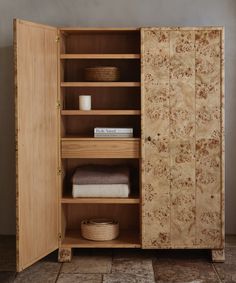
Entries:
{"x":99,"y":229}
{"x":102,"y":74}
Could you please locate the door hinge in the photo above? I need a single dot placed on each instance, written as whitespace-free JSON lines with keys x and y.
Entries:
{"x":57,"y":38}
{"x":58,"y":105}
{"x":58,"y":171}
{"x":59,"y":236}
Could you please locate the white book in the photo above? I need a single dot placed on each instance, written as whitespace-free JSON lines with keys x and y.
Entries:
{"x":111,"y":135}
{"x":113,"y":130}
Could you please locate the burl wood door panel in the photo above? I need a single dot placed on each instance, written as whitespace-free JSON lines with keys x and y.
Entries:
{"x":182,"y":138}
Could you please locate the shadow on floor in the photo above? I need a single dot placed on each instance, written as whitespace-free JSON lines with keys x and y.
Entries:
{"x":122,"y":265}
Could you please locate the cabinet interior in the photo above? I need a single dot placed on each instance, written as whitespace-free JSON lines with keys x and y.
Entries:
{"x":83,"y":125}
{"x":116,"y":104}
{"x":69,"y":166}
{"x":89,"y":41}
{"x":74,"y":69}
{"x":104,"y":98}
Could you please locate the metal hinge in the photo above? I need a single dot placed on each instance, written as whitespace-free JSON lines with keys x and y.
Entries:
{"x":57,"y":38}
{"x":58,"y":104}
{"x":59,"y":236}
{"x":58,"y":171}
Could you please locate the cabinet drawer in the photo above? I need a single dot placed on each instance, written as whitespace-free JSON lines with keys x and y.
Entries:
{"x":100,"y":148}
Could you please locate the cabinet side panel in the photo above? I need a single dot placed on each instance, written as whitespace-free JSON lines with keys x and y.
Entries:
{"x":155,"y":139}
{"x":37,"y":141}
{"x":182,"y":137}
{"x":209,"y":136}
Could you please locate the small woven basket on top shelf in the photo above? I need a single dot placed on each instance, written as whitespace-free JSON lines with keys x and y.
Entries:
{"x":99,"y":229}
{"x":102,"y":74}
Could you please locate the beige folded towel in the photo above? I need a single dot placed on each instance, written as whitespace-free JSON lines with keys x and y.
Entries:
{"x":101,"y":190}
{"x":101,"y":174}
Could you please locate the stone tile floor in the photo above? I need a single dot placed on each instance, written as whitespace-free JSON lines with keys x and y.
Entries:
{"x":121,"y":266}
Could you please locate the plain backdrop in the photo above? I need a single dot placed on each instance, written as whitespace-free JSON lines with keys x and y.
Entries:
{"x":113,"y":13}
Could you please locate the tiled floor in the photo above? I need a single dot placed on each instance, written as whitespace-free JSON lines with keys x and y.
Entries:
{"x":121,"y":266}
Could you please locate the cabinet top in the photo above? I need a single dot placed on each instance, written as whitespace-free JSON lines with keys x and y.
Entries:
{"x":71,"y":30}
{"x":118,"y":29}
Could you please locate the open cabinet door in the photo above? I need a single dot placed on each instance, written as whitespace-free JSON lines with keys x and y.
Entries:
{"x":36,"y":141}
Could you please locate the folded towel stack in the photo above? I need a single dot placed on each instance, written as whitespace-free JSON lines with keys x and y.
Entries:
{"x":101,"y":181}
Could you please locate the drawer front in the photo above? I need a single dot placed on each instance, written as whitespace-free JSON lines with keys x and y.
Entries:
{"x":101,"y":149}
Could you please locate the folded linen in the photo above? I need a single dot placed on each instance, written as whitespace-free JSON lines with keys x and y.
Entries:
{"x":101,"y":174}
{"x":101,"y":190}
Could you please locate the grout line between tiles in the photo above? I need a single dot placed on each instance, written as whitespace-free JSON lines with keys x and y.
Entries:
{"x":216,"y":272}
{"x":154,"y":276}
{"x":59,"y":272}
{"x":112,"y":258}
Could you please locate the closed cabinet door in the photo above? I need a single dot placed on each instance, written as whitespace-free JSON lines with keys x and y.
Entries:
{"x":182,"y":138}
{"x":37,"y":144}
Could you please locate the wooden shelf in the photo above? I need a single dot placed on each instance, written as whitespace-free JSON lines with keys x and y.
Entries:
{"x":100,"y":56}
{"x":97,"y":30}
{"x":127,"y":239}
{"x":129,"y":200}
{"x":100,"y":112}
{"x":84,"y":138}
{"x":100,"y":84}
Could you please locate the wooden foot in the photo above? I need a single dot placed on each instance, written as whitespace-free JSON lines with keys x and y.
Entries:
{"x":218,"y":255}
{"x":64,"y":255}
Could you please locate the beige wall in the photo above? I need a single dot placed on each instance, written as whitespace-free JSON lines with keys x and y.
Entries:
{"x":111,"y":13}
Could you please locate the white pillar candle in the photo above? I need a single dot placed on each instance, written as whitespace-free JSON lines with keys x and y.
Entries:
{"x":85,"y":102}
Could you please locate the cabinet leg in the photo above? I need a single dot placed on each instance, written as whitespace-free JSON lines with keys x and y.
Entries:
{"x":64,"y":254}
{"x":218,"y":255}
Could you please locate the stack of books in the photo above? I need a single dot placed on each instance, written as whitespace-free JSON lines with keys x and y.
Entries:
{"x":113,"y":132}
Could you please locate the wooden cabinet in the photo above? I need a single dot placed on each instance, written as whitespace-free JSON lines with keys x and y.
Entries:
{"x":171,"y":94}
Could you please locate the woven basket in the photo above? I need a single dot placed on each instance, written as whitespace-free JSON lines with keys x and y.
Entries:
{"x":102,"y":74}
{"x":99,"y":229}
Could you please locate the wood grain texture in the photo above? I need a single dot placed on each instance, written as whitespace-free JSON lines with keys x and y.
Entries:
{"x":64,"y":254}
{"x":182,"y":138}
{"x":103,"y":148}
{"x":100,"y":84}
{"x":218,"y":255}
{"x":128,"y":200}
{"x":100,"y":112}
{"x":61,"y":48}
{"x":36,"y":142}
{"x":222,"y":138}
{"x":100,"y":56}
{"x":208,"y":138}
{"x":120,"y":42}
{"x":61,"y":130}
{"x":98,"y":29}
{"x":155,"y":139}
